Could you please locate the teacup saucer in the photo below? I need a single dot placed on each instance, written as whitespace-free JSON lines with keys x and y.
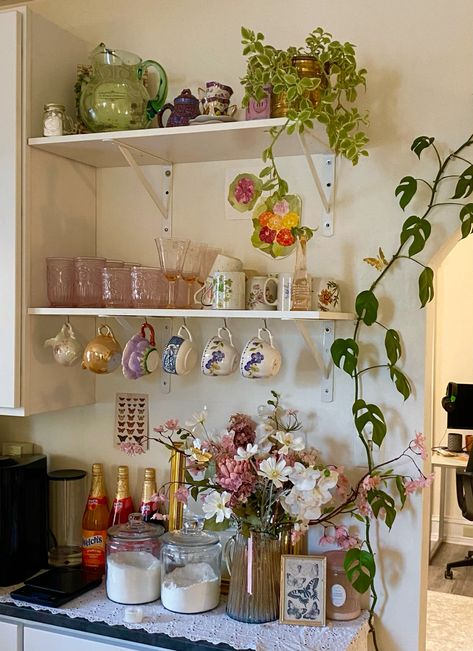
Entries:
{"x":207,"y":119}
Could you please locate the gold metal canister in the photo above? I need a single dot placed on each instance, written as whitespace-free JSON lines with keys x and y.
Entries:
{"x":306,"y":66}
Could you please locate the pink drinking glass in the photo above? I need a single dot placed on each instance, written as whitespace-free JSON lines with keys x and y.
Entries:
{"x":88,"y":281}
{"x":148,"y":287}
{"x":116,"y":286}
{"x":60,"y":281}
{"x":191,"y":267}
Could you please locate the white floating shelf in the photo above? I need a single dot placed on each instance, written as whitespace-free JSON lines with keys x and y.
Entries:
{"x":212,"y":314}
{"x":195,"y":143}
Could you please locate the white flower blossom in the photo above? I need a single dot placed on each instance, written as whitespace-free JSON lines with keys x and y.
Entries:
{"x":215,"y":505}
{"x":289,"y":441}
{"x":263,"y":432}
{"x":197,"y":420}
{"x":243,"y":454}
{"x":304,"y":479}
{"x":276,"y":471}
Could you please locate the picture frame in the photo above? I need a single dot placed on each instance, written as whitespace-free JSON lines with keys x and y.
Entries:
{"x":303,"y":590}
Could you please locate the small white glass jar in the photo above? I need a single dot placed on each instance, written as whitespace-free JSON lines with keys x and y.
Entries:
{"x":55,"y":120}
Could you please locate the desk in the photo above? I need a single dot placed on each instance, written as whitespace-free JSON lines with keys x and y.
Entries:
{"x":445,"y":464}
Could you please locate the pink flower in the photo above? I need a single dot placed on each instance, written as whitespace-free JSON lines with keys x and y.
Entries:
{"x":418,"y":445}
{"x":296,"y":535}
{"x":131,"y":448}
{"x":326,"y":540}
{"x":344,"y":540}
{"x":309,"y":457}
{"x":370,"y":483}
{"x":281,"y":208}
{"x":182,"y":494}
{"x":159,"y":516}
{"x":363,"y":506}
{"x":237,"y":477}
{"x":158,"y":498}
{"x":159,"y":429}
{"x":243,"y":428}
{"x":245,"y":190}
{"x":172,"y":424}
{"x":412,"y":485}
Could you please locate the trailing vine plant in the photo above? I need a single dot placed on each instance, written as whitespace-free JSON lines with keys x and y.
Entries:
{"x":386,"y":492}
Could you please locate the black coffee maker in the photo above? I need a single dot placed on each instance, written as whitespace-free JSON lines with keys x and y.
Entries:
{"x":23,"y":517}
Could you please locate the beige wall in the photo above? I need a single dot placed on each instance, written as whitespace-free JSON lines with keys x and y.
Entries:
{"x":418,"y":55}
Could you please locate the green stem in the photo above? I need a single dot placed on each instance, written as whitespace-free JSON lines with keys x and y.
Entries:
{"x":406,"y":257}
{"x":370,"y":368}
{"x":374,"y":594}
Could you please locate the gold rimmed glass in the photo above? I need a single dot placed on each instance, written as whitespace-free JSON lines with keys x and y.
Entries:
{"x":172,"y":252}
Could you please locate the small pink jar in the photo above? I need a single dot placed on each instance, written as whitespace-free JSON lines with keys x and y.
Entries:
{"x":60,"y":281}
{"x":148,"y":287}
{"x":88,"y":281}
{"x":343,"y":601}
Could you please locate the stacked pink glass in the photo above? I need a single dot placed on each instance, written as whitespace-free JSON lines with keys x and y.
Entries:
{"x":60,"y":281}
{"x":116,"y":286}
{"x":88,"y":281}
{"x":148,"y":287}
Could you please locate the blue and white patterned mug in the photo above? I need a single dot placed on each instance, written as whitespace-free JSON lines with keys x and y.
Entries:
{"x":260,"y":358}
{"x":179,"y":354}
{"x":220,"y":357}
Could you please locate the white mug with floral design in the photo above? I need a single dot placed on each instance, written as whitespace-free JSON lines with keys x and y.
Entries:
{"x":260,"y":358}
{"x":228,"y":290}
{"x":327,"y":296}
{"x":220,"y":357}
{"x":261,"y":293}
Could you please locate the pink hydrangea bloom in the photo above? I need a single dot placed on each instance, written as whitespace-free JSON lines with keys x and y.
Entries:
{"x":309,"y":457}
{"x":281,"y":208}
{"x":244,"y":190}
{"x":243,"y":428}
{"x":237,"y":477}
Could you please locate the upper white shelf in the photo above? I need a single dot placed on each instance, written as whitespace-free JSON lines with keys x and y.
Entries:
{"x":192,"y":144}
{"x":219,"y":314}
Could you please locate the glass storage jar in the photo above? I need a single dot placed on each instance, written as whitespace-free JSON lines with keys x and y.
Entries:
{"x":190,"y":570}
{"x":343,"y":601}
{"x":133,"y":567}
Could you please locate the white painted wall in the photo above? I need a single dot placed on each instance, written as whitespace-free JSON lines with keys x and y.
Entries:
{"x":414,"y":87}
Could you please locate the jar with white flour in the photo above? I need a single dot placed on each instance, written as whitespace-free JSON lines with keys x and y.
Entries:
{"x":133,"y":565}
{"x":190,"y":570}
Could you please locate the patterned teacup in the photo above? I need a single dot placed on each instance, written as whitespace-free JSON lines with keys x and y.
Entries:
{"x":220,"y":357}
{"x":260,"y":358}
{"x":180,"y":354}
{"x":228,"y":290}
{"x":261,"y":293}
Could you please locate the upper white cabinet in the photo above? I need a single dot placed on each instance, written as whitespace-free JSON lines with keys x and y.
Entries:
{"x":44,"y":207}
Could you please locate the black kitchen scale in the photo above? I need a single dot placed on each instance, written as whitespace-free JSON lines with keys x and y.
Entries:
{"x":57,"y":586}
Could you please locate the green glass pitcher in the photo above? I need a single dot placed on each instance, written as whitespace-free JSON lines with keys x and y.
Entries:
{"x":115,"y":98}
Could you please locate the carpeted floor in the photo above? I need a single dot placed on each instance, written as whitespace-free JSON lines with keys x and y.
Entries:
{"x":449,"y":622}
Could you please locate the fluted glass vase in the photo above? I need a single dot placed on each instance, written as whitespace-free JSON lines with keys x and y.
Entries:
{"x":254,"y":565}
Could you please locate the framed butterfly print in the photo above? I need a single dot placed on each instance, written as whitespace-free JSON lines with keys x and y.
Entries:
{"x":302,"y":590}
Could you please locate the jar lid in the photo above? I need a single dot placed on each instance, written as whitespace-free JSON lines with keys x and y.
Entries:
{"x":52,"y":106}
{"x":68,"y":474}
{"x":191,"y":535}
{"x":335,"y":559}
{"x":136,"y":529}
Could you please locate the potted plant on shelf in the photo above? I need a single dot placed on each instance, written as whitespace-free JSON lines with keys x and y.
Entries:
{"x":318,"y":82}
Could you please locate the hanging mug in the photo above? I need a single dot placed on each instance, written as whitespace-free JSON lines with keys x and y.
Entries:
{"x":103,"y":353}
{"x":66,"y":349}
{"x":180,"y":353}
{"x":140,"y":356}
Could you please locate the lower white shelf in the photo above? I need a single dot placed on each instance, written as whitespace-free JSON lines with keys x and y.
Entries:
{"x":219,"y":314}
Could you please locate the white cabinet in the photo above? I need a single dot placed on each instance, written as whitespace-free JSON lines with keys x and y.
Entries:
{"x":42,"y":640}
{"x":10,"y":636}
{"x":37,"y":210}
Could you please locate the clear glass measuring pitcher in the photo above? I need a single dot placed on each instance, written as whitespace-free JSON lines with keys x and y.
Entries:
{"x":115,"y":98}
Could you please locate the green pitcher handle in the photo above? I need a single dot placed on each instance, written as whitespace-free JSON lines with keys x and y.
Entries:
{"x":155,"y":103}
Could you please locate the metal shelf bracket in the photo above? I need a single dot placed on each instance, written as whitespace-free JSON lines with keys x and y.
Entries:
{"x":322,"y":358}
{"x":324,"y":180}
{"x":163,"y":203}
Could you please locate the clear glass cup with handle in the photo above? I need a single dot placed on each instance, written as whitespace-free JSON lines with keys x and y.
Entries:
{"x":172,"y":252}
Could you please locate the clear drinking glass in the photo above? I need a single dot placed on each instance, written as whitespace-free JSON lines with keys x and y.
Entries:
{"x":88,"y":281}
{"x":148,"y":287}
{"x":60,"y":281}
{"x":116,"y":286}
{"x":172,"y":252}
{"x":191,"y":267}
{"x":206,"y":261}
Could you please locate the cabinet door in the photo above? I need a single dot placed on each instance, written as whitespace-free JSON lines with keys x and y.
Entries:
{"x":10,"y":208}
{"x":40,"y":640}
{"x":10,"y":637}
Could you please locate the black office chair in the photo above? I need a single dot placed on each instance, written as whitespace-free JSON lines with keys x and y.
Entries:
{"x":464,"y":479}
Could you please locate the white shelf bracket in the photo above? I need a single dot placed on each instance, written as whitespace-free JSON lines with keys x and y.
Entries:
{"x":324,"y":182}
{"x":323,"y":359}
{"x":162,"y":203}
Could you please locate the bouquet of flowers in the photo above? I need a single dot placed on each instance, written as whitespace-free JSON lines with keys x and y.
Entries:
{"x":264,"y":478}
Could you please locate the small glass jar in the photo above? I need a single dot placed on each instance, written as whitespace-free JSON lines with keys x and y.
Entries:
{"x":88,"y":281}
{"x":190,"y":570}
{"x":55,"y":121}
{"x":116,"y":286}
{"x":343,"y":601}
{"x":133,"y":566}
{"x":60,"y":282}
